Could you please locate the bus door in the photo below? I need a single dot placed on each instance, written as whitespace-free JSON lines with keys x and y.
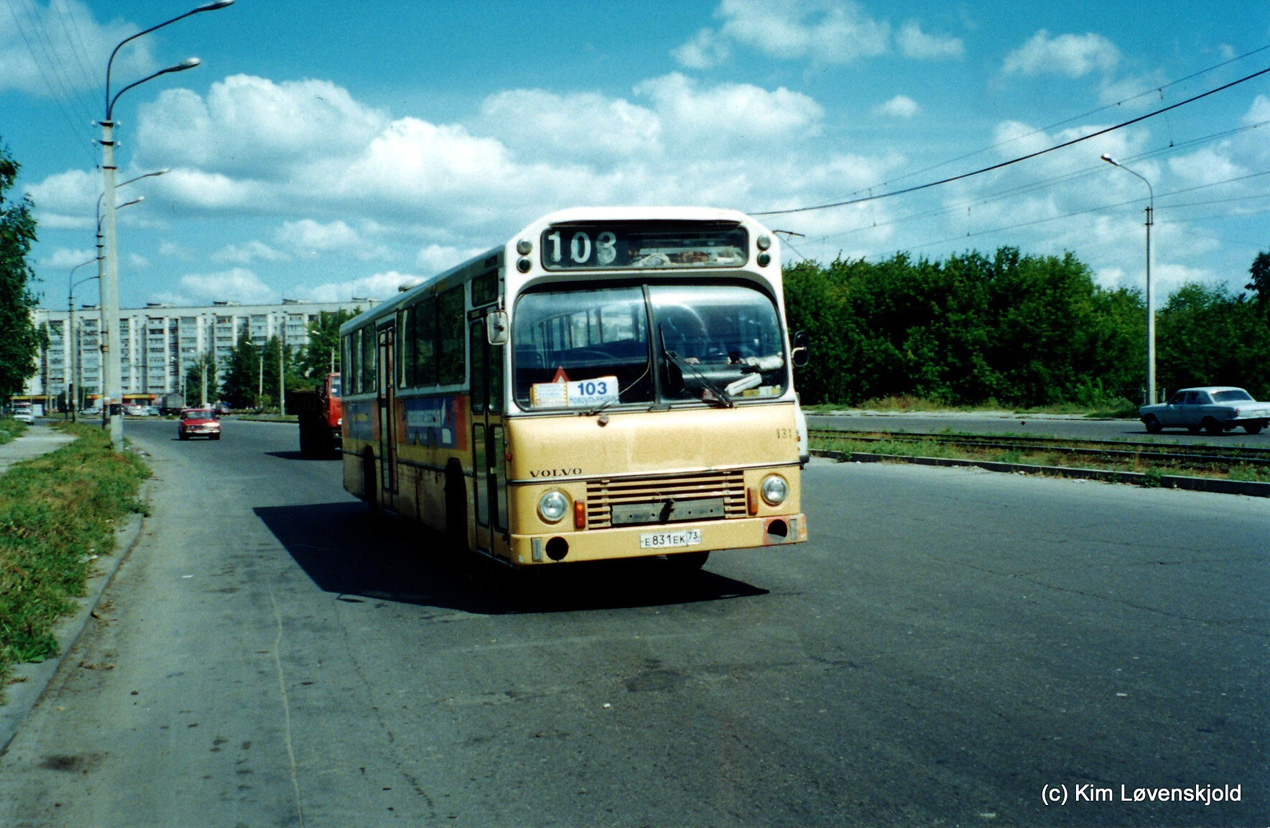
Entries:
{"x":488,"y":443}
{"x":387,"y":417}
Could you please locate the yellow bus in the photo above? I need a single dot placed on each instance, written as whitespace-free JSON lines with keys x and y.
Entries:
{"x":609,"y":383}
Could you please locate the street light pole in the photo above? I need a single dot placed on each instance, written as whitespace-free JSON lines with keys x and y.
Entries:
{"x":70,"y":335}
{"x":1151,"y":392}
{"x":112,"y":371}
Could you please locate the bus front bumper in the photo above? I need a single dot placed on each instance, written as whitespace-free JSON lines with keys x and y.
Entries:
{"x":662,"y":539}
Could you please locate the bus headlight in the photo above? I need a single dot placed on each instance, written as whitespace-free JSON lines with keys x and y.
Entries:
{"x":774,"y":490}
{"x":552,"y":506}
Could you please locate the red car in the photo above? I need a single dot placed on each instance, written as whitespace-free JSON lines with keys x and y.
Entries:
{"x":198,"y":422}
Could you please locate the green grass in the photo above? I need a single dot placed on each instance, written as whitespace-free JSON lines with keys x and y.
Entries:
{"x":1152,"y":475}
{"x":1114,"y":409}
{"x":10,"y":429}
{"x":57,"y":513}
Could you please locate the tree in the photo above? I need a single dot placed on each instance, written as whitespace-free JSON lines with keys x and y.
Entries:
{"x":195,"y":377}
{"x":1260,"y":284}
{"x":323,"y":350}
{"x":240,"y":386}
{"x":21,"y":341}
{"x":1020,"y":330}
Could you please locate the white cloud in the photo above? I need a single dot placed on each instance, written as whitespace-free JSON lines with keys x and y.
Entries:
{"x":169,"y":249}
{"x":1258,"y":112}
{"x":436,"y":258}
{"x":729,"y":113}
{"x":1207,"y":166}
{"x":63,"y":258}
{"x":59,"y":50}
{"x":251,"y":126}
{"x":706,"y":50}
{"x":413,"y":159}
{"x":67,"y":199}
{"x":1070,"y":55}
{"x":823,"y":31}
{"x":914,"y":43}
{"x":574,"y":126}
{"x":213,"y":190}
{"x":376,"y":286}
{"x":308,"y":237}
{"x":901,"y":106}
{"x":235,"y":285}
{"x":247,"y":253}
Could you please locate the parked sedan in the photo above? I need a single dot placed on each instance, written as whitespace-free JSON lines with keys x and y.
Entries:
{"x":1213,"y":408}
{"x":198,"y":422}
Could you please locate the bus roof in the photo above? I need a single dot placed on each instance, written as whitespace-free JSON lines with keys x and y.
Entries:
{"x":492,"y":258}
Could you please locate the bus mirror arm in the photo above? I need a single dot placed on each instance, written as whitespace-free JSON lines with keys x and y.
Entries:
{"x":496,"y":328}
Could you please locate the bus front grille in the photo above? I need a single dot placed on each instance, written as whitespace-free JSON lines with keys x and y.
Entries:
{"x":658,"y":494}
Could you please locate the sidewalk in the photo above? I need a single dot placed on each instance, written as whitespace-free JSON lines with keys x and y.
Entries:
{"x":28,"y":681}
{"x":38,"y":440}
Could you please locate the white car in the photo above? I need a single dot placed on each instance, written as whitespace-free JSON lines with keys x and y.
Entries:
{"x":1213,"y":408}
{"x":24,"y":415}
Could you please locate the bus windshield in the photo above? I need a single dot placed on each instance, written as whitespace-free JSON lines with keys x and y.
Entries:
{"x":646,"y":344}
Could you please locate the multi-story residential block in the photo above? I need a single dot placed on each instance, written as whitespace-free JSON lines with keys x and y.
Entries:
{"x":160,"y":342}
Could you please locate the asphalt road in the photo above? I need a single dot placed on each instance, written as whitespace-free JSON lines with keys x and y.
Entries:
{"x":952,"y":647}
{"x":1068,"y":428}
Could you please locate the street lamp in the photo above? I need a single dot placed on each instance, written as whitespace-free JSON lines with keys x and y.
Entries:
{"x":70,"y":333}
{"x":1151,"y":395}
{"x":112,"y":373}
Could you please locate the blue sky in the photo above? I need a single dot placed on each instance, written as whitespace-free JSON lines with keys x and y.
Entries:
{"x":328,"y":150}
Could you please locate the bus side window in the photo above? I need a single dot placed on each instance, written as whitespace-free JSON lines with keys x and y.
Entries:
{"x":452,"y":329}
{"x":369,"y":350}
{"x":425,"y":349}
{"x":406,"y":343}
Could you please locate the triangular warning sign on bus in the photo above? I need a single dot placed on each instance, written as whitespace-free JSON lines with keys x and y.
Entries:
{"x":560,"y":376}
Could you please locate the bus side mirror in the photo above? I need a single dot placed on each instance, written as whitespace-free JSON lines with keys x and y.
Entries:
{"x":799,"y":353}
{"x":496,"y":330}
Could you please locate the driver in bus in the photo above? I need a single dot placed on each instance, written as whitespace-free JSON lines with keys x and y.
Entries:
{"x":685,"y":334}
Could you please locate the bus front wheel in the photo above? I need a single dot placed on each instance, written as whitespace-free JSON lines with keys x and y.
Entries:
{"x":687,"y":561}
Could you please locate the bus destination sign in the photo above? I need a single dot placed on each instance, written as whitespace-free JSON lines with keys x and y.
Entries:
{"x":626,"y":245}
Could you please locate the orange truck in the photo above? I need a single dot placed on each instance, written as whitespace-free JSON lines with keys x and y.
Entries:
{"x":321,"y":418}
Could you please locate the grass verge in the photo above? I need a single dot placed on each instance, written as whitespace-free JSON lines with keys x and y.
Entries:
{"x":1153,"y":475}
{"x":1109,"y":409}
{"x":57,"y":514}
{"x":10,"y":429}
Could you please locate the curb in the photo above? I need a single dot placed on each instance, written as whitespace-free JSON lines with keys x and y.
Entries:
{"x":28,"y":682}
{"x":1194,"y":484}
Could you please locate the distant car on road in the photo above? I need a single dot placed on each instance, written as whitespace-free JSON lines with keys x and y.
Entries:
{"x":24,"y":414}
{"x":198,"y":422}
{"x":1212,"y":408}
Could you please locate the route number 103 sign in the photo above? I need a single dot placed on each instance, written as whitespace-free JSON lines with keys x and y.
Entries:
{"x":578,"y":394}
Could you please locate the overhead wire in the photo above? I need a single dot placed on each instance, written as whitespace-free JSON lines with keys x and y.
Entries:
{"x":75,"y":41}
{"x":1042,"y":184}
{"x":1065,"y":121}
{"x":1105,"y":207}
{"x":1016,"y":160}
{"x":78,"y":124}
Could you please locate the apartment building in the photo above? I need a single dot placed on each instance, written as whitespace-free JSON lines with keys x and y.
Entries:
{"x":160,"y":342}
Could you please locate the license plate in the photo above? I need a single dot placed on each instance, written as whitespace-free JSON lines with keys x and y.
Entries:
{"x":665,"y":540}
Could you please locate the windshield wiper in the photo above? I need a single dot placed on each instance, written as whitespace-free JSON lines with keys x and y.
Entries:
{"x":710,"y":391}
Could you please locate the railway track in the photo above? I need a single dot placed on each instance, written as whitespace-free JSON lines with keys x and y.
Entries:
{"x":1220,"y":459}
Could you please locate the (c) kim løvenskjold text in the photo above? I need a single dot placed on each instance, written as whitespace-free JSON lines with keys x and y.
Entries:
{"x":1206,"y":794}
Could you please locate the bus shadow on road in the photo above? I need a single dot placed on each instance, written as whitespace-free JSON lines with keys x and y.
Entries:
{"x":349,"y":553}
{"x":297,"y":455}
